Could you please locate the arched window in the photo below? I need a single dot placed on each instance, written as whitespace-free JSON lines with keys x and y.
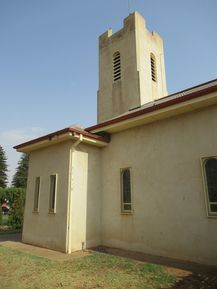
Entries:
{"x":116,"y":66}
{"x":210,"y":167}
{"x":126,"y":191}
{"x":153,"y":68}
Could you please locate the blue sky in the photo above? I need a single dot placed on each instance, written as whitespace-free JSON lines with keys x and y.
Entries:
{"x":49,"y":57}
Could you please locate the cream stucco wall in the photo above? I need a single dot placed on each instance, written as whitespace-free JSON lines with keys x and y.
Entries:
{"x":44,"y":228}
{"x":78,"y":199}
{"x":169,"y":217}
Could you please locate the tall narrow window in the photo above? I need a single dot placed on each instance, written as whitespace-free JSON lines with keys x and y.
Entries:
{"x":116,"y":66}
{"x":210,"y":168}
{"x":36,"y":196}
{"x":153,"y":68}
{"x":53,"y":187}
{"x":126,"y":190}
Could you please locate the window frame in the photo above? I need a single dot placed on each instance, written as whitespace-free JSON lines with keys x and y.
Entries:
{"x":123,"y":211}
{"x":203,"y":160}
{"x":36,"y":209}
{"x":52,"y":209}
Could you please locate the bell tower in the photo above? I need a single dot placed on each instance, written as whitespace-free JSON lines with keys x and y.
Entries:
{"x":131,"y":68}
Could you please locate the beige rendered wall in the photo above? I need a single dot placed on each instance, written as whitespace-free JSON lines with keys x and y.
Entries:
{"x":169,"y":217}
{"x":43,"y":228}
{"x":85,"y":197}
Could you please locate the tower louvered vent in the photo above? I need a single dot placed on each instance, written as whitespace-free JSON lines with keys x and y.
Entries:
{"x":116,"y":66}
{"x":153,"y":68}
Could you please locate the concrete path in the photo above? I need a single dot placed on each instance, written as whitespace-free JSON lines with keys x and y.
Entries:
{"x":14,"y":241}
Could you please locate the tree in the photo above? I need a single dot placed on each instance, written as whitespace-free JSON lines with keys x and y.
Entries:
{"x":3,"y":168}
{"x":20,"y":177}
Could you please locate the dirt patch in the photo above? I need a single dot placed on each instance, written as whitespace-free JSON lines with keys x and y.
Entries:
{"x":196,"y":281}
{"x":2,"y":270}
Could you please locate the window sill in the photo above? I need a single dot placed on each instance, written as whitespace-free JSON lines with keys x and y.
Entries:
{"x":51,"y":213}
{"x":212,"y":216}
{"x":127,"y":213}
{"x":35,"y":212}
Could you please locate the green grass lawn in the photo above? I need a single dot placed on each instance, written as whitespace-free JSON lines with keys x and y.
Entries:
{"x":20,"y":270}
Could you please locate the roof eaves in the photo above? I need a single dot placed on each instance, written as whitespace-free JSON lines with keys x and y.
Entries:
{"x":61,"y":132}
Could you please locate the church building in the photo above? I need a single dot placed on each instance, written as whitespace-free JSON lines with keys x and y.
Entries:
{"x":144,"y":178}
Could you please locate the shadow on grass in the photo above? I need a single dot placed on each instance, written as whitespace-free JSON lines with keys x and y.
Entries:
{"x":189,"y":275}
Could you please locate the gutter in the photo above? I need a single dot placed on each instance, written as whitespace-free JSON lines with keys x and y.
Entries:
{"x":60,"y":136}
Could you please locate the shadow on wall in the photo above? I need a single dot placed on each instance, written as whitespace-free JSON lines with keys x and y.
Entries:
{"x":93,"y":209}
{"x":189,"y":275}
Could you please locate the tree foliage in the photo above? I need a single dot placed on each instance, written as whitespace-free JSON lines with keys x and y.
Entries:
{"x":10,"y":194}
{"x":3,"y":168}
{"x":20,"y":177}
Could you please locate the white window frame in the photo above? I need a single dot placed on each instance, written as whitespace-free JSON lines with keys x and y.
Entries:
{"x":210,"y":214}
{"x":38,"y":188}
{"x":52,"y":210}
{"x":124,"y":211}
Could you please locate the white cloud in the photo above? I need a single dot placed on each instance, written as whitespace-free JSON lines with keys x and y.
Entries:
{"x":10,"y":138}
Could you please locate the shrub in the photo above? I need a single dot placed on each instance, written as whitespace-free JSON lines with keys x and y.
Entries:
{"x":16,"y":200}
{"x":16,"y":211}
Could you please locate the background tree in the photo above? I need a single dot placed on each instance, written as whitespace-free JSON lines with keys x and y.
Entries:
{"x":3,"y":168}
{"x":20,"y":177}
